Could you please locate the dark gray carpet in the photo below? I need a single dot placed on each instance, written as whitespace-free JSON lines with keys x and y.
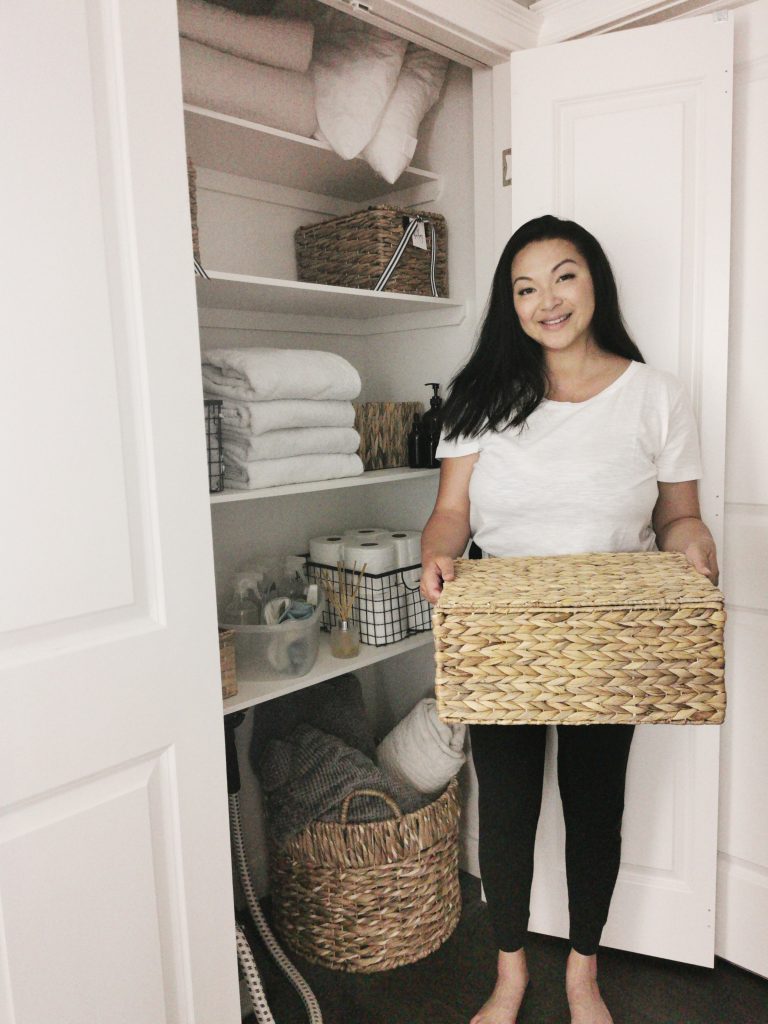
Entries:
{"x":449,"y":986}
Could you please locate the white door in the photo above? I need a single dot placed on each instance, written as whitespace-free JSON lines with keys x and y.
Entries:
{"x":115,"y":884}
{"x":742,"y":889}
{"x":629,"y":134}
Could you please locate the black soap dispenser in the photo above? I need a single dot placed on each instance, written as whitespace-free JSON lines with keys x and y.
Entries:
{"x":431,"y":425}
{"x":417,"y":452}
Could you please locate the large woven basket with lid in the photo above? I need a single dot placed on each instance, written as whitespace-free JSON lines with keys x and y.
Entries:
{"x":580,"y":639}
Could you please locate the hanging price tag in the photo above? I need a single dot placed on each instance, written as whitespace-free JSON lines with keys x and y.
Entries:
{"x":419,"y":237}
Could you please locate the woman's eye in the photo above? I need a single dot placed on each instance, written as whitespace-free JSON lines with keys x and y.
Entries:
{"x":524,"y":291}
{"x":566,"y":277}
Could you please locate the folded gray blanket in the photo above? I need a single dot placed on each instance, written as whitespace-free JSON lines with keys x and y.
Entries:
{"x":334,"y":706}
{"x":306,"y":777}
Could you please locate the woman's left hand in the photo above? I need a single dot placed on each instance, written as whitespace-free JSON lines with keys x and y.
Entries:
{"x":702,"y":555}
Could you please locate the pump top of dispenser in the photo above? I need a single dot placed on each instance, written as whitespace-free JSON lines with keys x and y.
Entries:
{"x":435,"y":401}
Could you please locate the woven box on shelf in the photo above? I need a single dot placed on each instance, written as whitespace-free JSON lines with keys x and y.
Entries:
{"x":371,"y":896}
{"x":580,"y":639}
{"x":192,"y":183}
{"x":383,"y":428}
{"x":227,"y":663}
{"x":353,"y":251}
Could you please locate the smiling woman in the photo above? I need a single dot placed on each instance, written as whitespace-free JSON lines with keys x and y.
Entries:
{"x":558,"y":439}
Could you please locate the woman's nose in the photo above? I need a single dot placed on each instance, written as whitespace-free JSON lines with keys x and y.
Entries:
{"x":549,"y":299}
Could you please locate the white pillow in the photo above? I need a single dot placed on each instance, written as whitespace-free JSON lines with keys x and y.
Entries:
{"x":390,"y":150}
{"x":354,"y":70}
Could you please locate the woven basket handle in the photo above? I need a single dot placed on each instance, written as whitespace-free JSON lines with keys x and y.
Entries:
{"x":408,"y":231}
{"x":368,"y":792}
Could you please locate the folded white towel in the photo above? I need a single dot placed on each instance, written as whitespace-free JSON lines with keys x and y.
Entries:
{"x":280,"y":42}
{"x":262,"y":374}
{"x":248,"y":419}
{"x":230,"y":85}
{"x":281,"y":444}
{"x":296,"y":470}
{"x":423,"y":751}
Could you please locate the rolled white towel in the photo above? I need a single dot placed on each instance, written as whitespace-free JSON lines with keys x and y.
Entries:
{"x":281,"y":444}
{"x":256,"y":92}
{"x":240,"y":476}
{"x":263,"y":374}
{"x":423,"y":751}
{"x":248,"y":419}
{"x":280,"y":42}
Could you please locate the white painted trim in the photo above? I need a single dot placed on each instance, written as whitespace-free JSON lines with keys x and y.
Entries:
{"x":247,"y":320}
{"x":451,"y":26}
{"x":567,"y":19}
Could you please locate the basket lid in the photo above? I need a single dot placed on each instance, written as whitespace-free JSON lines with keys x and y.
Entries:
{"x":644,"y":579}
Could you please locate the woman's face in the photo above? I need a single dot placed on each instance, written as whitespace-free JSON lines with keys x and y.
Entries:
{"x":553,"y":294}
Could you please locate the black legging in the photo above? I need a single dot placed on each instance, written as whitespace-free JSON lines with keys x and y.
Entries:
{"x":591,"y":769}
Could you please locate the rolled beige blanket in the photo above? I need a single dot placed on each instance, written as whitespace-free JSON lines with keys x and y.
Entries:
{"x":279,"y":42}
{"x":230,"y":85}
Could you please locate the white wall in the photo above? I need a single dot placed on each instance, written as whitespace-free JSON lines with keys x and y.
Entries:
{"x":742,"y":910}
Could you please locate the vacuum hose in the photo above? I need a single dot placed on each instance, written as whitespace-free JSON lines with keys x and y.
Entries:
{"x":246,"y":959}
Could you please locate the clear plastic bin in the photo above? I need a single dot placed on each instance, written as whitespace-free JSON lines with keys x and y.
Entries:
{"x":287,"y":649}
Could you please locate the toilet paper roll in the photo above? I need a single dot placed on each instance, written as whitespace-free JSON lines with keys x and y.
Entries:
{"x":378,"y":555}
{"x":365,"y":533}
{"x":328,"y":550}
{"x":407,"y":547}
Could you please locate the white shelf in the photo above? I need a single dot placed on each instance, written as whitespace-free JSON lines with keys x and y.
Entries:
{"x":299,"y":298}
{"x":252,"y":691}
{"x":377,"y":476}
{"x":256,"y":151}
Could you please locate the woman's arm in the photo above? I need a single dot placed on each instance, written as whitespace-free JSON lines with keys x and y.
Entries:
{"x":447,"y":531}
{"x":678,"y":527}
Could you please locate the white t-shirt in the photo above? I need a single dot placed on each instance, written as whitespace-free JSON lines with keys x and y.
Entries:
{"x":582,"y":476}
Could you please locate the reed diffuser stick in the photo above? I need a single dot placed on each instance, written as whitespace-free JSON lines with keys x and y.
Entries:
{"x":343,"y":593}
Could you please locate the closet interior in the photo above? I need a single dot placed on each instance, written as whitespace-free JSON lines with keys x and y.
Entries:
{"x":255,"y":185}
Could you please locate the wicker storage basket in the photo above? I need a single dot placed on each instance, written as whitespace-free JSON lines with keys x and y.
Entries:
{"x":372,"y":896}
{"x":227,"y":662}
{"x":383,"y":428}
{"x":353,"y":251}
{"x":192,"y":183}
{"x":580,"y":639}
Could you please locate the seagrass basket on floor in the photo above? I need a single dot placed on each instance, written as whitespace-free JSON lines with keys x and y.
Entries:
{"x":370,"y":896}
{"x":580,"y":639}
{"x":354,"y":250}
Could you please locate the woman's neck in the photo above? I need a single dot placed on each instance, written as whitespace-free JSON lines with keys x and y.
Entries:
{"x":575,"y":375}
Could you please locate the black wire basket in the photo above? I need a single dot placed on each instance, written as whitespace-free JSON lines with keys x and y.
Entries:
{"x":213,"y":443}
{"x":388,"y":606}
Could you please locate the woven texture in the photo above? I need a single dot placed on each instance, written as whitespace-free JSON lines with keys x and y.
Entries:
{"x":227,"y":662}
{"x":370,"y":897}
{"x":383,"y":428}
{"x":353,"y":251}
{"x":580,"y":639}
{"x":192,"y":184}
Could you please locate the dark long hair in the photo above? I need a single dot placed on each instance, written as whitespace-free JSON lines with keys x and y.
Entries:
{"x":505,"y":378}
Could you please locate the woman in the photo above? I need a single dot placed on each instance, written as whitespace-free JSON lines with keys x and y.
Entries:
{"x":558,"y":439}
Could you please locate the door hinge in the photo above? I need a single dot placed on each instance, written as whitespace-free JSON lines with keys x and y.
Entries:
{"x":506,"y":160}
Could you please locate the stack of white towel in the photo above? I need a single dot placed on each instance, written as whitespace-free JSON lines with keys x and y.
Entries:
{"x":246,"y":66}
{"x":287,"y":415}
{"x":311,"y":70}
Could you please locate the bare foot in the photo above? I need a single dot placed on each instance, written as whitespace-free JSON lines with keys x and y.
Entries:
{"x":584,"y":999}
{"x":507,"y":996}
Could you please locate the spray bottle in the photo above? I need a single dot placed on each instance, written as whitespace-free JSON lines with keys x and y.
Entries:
{"x":431,"y":425}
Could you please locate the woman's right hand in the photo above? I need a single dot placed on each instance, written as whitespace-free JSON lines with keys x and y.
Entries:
{"x":436,"y":570}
